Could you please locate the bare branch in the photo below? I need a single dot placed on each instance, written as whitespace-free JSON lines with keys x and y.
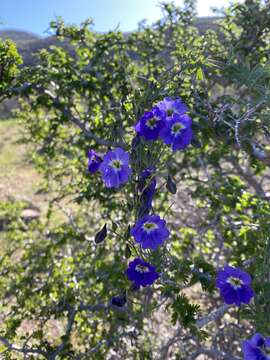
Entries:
{"x":71,"y":319}
{"x":86,"y":131}
{"x":25,"y":350}
{"x":248,"y":176}
{"x":214,"y":315}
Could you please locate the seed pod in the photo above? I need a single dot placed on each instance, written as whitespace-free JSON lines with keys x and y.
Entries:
{"x":101,"y":235}
{"x":127,"y":252}
{"x":171,"y":186}
{"x":119,"y":300}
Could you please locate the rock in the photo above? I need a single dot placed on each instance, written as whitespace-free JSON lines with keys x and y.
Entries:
{"x":30,"y":215}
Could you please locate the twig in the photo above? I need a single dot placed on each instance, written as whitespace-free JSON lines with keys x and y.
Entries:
{"x":71,"y":319}
{"x":214,"y":315}
{"x":86,"y":131}
{"x":24,"y":350}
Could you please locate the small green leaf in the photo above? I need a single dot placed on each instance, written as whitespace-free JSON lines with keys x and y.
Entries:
{"x":199,"y":74}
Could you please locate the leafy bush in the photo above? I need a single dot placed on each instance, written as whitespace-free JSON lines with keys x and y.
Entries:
{"x":71,"y":268}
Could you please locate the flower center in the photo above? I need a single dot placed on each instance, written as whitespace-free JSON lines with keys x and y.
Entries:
{"x":235,"y":282}
{"x":116,"y":164}
{"x":149,"y":227}
{"x":152,"y":123}
{"x":169,"y":112}
{"x":176,"y":128}
{"x":142,"y":269}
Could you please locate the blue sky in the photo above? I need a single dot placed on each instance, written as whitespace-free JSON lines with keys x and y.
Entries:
{"x":35,"y":15}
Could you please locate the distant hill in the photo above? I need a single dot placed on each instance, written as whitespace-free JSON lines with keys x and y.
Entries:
{"x":21,"y":38}
{"x":207,"y":22}
{"x":28,"y":43}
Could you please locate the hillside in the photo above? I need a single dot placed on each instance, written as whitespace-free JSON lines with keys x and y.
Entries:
{"x":28,"y":43}
{"x":21,"y":38}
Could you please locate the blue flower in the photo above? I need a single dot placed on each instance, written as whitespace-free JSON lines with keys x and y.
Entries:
{"x":150,"y":232}
{"x":256,"y":348}
{"x":172,"y":106}
{"x":148,"y":188}
{"x":150,"y":124}
{"x":141,"y":272}
{"x":94,"y":161}
{"x":114,"y":168}
{"x":177,"y":132}
{"x":234,"y":285}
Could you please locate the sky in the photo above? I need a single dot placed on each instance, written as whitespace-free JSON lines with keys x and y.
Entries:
{"x":35,"y":15}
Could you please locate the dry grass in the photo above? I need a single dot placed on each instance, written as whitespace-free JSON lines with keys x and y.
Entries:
{"x":18,"y":178}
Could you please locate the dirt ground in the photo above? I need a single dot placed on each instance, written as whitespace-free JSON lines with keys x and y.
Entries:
{"x":18,"y":178}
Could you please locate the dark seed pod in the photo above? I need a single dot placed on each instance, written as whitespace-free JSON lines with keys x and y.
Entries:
{"x":119,"y":300}
{"x":127,"y":252}
{"x":171,"y":186}
{"x":143,"y":210}
{"x":127,"y":233}
{"x":135,"y":142}
{"x":101,"y":235}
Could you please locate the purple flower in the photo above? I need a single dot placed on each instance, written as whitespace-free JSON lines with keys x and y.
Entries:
{"x":141,"y":272}
{"x":148,"y":188}
{"x":150,"y":124}
{"x":150,"y":232}
{"x":234,"y":285}
{"x":94,"y":161}
{"x":114,"y":168}
{"x":256,"y":348}
{"x":177,"y":132}
{"x":172,"y":106}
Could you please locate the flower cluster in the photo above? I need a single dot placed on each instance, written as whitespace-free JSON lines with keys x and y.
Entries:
{"x":234,"y":285}
{"x":257,"y":348}
{"x":167,"y":120}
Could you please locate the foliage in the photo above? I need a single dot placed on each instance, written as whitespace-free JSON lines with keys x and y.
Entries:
{"x":213,"y":194}
{"x":9,"y":60}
